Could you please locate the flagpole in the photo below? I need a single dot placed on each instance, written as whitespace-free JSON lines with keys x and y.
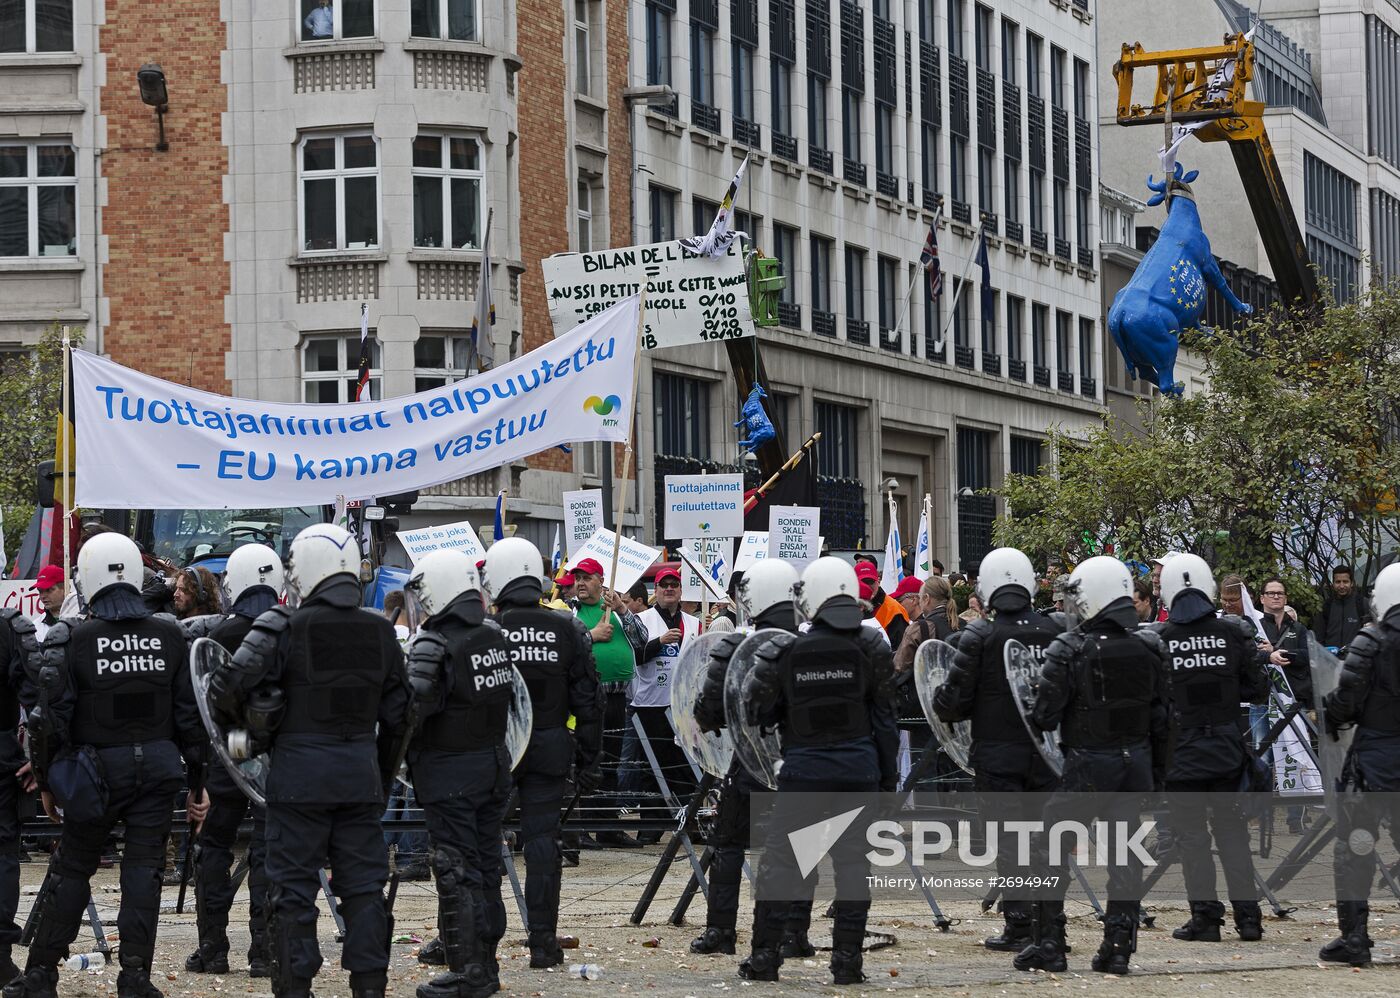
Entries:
{"x":788,"y":465}
{"x":909,"y":295}
{"x":627,"y":453}
{"x":68,"y":468}
{"x":957,"y":293}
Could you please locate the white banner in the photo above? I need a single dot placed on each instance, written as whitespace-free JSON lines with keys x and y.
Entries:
{"x":447,"y":537}
{"x":712,"y":555}
{"x":793,"y":534}
{"x":144,"y":443}
{"x":583,"y":516}
{"x":20,"y":595}
{"x":703,"y":506}
{"x":633,"y":559}
{"x":690,"y":299}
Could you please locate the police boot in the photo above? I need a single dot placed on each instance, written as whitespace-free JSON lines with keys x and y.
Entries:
{"x":211,"y":956}
{"x":714,"y":940}
{"x":1249,"y":920}
{"x":459,"y":930}
{"x":1204,"y":927}
{"x":432,"y":953}
{"x":796,"y":944}
{"x":35,"y":982}
{"x":545,"y":950}
{"x":1119,"y":932}
{"x":368,"y":984}
{"x":8,"y":970}
{"x":761,"y":965}
{"x":134,"y":980}
{"x":1353,"y":946}
{"x":846,"y":959}
{"x":258,"y":963}
{"x":1047,"y":948}
{"x":1016,"y":935}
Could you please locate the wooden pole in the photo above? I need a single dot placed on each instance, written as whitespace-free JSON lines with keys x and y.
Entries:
{"x":788,"y":465}
{"x":68,"y":463}
{"x":627,"y":454}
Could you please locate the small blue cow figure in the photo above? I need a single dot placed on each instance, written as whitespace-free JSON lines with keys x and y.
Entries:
{"x":755,"y":422}
{"x":1167,"y":292}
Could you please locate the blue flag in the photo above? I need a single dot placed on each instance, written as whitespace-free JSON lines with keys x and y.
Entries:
{"x":500,"y":515}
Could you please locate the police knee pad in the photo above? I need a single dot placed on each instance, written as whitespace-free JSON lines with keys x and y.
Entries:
{"x":262,"y":715}
{"x":449,"y":866}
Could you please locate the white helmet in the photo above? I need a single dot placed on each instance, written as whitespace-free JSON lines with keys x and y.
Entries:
{"x":438,"y":579}
{"x":1186,"y":571}
{"x":1385,"y":595}
{"x":320,"y":551}
{"x":1095,"y":584}
{"x":766,"y":584}
{"x":510,"y":560}
{"x":1004,"y":567}
{"x":251,"y":565}
{"x":823,"y":581}
{"x":107,"y":560}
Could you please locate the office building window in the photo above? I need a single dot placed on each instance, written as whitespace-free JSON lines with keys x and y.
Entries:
{"x":850,"y":123}
{"x":1034,"y":54}
{"x":1064,"y":324}
{"x":583,"y":46}
{"x":339,"y":192}
{"x":956,"y":15}
{"x":38,"y":200}
{"x":817,"y":112}
{"x":36,"y":25}
{"x":884,"y":139}
{"x":1009,"y":30}
{"x":1086,"y":349}
{"x":330,"y":368}
{"x":446,"y":192}
{"x":702,"y":215}
{"x":1061,"y":209}
{"x":663,"y":214}
{"x":855,"y":283}
{"x":782,"y":97}
{"x":785,"y":249}
{"x":585,"y":215}
{"x":323,"y":19}
{"x":1040,"y":322}
{"x":455,"y":19}
{"x":1081,"y":89}
{"x":682,"y":416}
{"x":1026,"y":456}
{"x":836,"y":450}
{"x":962,"y":318}
{"x":440,"y":359}
{"x":1036,"y":188}
{"x":957,"y":168}
{"x":982,"y":37}
{"x":928,"y":15}
{"x":658,"y":44}
{"x":887,"y":270}
{"x":1057,"y":76}
{"x":702,"y":64}
{"x":741,"y":71}
{"x":821,"y":274}
{"x":1015,"y":328}
{"x":986,"y":176}
{"x":1011,"y":184}
{"x":988,"y":321}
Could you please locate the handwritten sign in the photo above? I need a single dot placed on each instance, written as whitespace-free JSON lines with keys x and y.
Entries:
{"x":583,"y":515}
{"x":446,"y":537}
{"x":20,"y":594}
{"x":712,"y":555}
{"x":689,"y":298}
{"x":793,"y":534}
{"x":633,"y":558}
{"x":704,"y":505}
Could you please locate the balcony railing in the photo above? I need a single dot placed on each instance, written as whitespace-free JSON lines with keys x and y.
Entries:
{"x":963,"y":357}
{"x":889,"y":340}
{"x":857,"y":331}
{"x":1015,"y":231}
{"x":887,"y":185}
{"x":991,"y":364}
{"x":790,"y":314}
{"x":704,"y":116}
{"x":1016,"y":370}
{"x":1066,"y":381}
{"x":747,"y":133}
{"x":962,"y":212}
{"x":930,"y":200}
{"x":853,"y":171}
{"x":1042,"y":376}
{"x":1086,"y":258}
{"x":1039,"y":240}
{"x":785,"y":147}
{"x":819,"y":159}
{"x":823,"y":323}
{"x":1088,"y":387}
{"x":1062,"y":248}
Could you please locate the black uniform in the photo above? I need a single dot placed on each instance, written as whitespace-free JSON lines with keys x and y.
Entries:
{"x":228,"y":806}
{"x":461,"y":775}
{"x":731,"y":836}
{"x":17,"y":646}
{"x":829,"y":692}
{"x":1368,"y":696}
{"x":1103,"y":687}
{"x":554,"y":652}
{"x":1007,"y":763}
{"x":126,"y":705}
{"x":340,"y":671}
{"x":1213,"y":665}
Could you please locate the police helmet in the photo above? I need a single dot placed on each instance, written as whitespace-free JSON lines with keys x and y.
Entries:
{"x":512,"y":560}
{"x":251,"y":565}
{"x":1385,"y":596}
{"x":438,"y":579}
{"x":1186,"y":571}
{"x":107,"y":560}
{"x":766,"y":584}
{"x":829,"y":590}
{"x":320,"y":551}
{"x":1001,"y":568}
{"x":1094,"y":585}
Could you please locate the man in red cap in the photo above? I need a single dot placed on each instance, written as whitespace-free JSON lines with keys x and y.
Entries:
{"x":907,"y":594}
{"x":891,"y":616}
{"x":618,"y":641}
{"x":52,"y":591}
{"x":669,"y":631}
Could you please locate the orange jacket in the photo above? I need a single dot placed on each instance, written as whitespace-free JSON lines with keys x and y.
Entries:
{"x":888,"y":610}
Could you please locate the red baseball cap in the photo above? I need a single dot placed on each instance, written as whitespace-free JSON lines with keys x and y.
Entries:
{"x":589,"y":566}
{"x":667,"y":573}
{"x":908,"y":586}
{"x":49,"y":576}
{"x":565,"y":579}
{"x":865,"y":570}
{"x":867,"y":588}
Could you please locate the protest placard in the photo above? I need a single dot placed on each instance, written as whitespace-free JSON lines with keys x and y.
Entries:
{"x":703,"y":506}
{"x":793,"y":534}
{"x":633,"y":559}
{"x":583,"y":516}
{"x":447,"y":537}
{"x":20,"y":594}
{"x":753,"y":546}
{"x":689,"y":298}
{"x":712,"y":555}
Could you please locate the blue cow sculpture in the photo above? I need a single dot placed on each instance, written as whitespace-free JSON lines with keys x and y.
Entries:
{"x":1167,"y":292}
{"x":755,"y":421}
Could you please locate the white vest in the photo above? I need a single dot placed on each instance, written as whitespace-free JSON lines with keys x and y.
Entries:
{"x":651,"y":684}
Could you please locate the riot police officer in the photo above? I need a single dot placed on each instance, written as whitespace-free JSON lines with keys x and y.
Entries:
{"x":1367,"y":696}
{"x":829,"y":692}
{"x":1005,"y":760}
{"x":463,"y":686}
{"x":18,"y":645}
{"x":765,"y":593}
{"x":252,"y":585}
{"x":119,"y":696}
{"x":1213,"y":666}
{"x":314,"y":678}
{"x":1103,"y":689}
{"x":554,"y":653}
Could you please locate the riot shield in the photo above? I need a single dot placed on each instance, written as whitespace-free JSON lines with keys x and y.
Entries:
{"x":520,"y":725}
{"x":250,"y":774}
{"x":758,"y":750}
{"x":712,"y":751}
{"x":932,"y":663}
{"x":1023,"y":676}
{"x":1332,"y":749}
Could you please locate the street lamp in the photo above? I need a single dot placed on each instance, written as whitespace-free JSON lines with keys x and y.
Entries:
{"x":151,"y":79}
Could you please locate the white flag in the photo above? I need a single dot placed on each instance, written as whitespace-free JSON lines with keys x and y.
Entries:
{"x":923,"y":550}
{"x":556,"y":554}
{"x":716,"y":241}
{"x":894,"y":563}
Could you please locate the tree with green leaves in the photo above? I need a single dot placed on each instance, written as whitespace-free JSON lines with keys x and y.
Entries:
{"x":1287,"y":462}
{"x":31,"y":386}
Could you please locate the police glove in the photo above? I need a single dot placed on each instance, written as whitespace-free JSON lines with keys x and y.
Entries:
{"x":588,"y":779}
